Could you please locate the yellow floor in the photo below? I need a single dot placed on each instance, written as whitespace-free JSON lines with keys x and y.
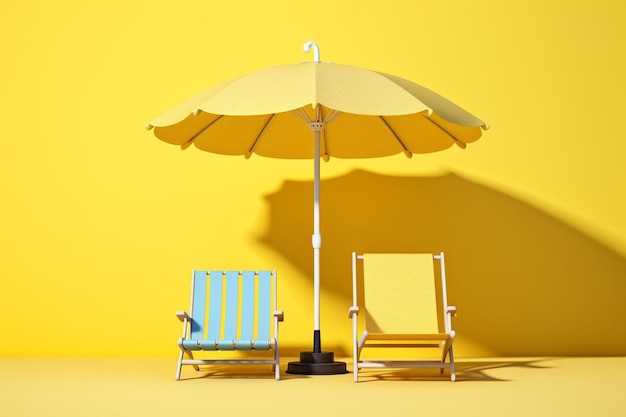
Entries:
{"x":146,"y":387}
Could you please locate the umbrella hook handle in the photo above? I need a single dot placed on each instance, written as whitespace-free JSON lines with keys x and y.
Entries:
{"x":316,"y":50}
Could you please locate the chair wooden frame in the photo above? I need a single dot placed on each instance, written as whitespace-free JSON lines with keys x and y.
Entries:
{"x":231,"y":311}
{"x":442,"y":340}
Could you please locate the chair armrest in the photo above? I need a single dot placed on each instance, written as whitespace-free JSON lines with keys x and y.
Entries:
{"x":451,"y":310}
{"x":182,"y":315}
{"x":279,"y":315}
{"x":354,"y":310}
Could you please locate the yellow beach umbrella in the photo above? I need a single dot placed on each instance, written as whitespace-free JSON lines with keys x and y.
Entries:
{"x":318,"y":110}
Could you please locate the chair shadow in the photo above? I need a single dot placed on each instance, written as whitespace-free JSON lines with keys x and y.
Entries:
{"x":226,"y":371}
{"x":526,"y":283}
{"x":474,"y":371}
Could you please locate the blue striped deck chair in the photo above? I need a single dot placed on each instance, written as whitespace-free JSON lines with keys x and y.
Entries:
{"x":230,"y":311}
{"x":404,"y":304}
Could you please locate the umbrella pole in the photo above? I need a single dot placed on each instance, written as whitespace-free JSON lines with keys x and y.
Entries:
{"x":317,"y":243}
{"x":316,"y":362}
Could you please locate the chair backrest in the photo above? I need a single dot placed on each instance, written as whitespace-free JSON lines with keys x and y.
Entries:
{"x":232,"y":305}
{"x":401,"y":294}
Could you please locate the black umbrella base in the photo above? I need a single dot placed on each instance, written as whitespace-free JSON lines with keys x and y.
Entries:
{"x":317,"y":363}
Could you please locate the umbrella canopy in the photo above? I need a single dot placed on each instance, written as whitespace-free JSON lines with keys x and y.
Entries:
{"x":373,"y":114}
{"x":353,"y":112}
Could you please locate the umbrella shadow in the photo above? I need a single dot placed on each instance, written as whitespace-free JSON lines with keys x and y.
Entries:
{"x":525,"y":282}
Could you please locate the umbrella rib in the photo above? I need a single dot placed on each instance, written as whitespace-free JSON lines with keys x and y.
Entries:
{"x":331,"y":116}
{"x":408,"y":153}
{"x":258,"y":138}
{"x":194,"y":137}
{"x":458,"y":142}
{"x":325,"y":155}
{"x":302,"y":115}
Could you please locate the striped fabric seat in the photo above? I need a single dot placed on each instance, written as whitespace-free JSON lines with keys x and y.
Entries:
{"x":231,"y":311}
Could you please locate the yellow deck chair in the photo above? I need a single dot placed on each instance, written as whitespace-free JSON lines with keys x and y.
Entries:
{"x":405,"y":306}
{"x":230,"y":311}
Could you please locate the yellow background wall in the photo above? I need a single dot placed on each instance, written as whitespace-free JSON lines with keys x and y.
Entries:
{"x":101,"y":223}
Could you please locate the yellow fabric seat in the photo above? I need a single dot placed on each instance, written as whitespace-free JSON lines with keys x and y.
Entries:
{"x":404,"y":300}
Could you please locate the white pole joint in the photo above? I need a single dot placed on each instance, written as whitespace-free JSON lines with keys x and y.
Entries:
{"x":316,"y":240}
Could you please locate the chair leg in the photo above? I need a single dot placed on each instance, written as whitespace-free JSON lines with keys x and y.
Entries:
{"x":180,"y":364}
{"x":452,"y":370}
{"x":447,"y":351}
{"x":276,"y":365}
{"x":190,"y":356}
{"x":355,"y":350}
{"x":356,"y":361}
